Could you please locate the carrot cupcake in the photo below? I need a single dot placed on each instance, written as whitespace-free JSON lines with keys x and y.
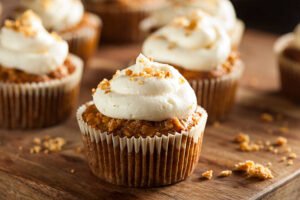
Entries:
{"x":287,"y":49}
{"x":200,"y":49}
{"x":67,"y":17}
{"x":143,"y":127}
{"x":121,"y":18}
{"x":222,"y":10}
{"x":39,"y":79}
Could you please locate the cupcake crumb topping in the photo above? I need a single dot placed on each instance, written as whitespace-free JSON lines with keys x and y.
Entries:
{"x":23,"y":24}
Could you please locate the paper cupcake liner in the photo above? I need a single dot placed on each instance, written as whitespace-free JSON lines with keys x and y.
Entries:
{"x":142,"y":162}
{"x":39,"y":105}
{"x":289,"y":69}
{"x":217,"y":95}
{"x":83,"y":42}
{"x":120,"y":25}
{"x":237,"y":34}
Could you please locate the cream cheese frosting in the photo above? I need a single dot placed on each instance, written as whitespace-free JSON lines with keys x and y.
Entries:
{"x":222,"y":10}
{"x":296,"y":40}
{"x":194,"y":42}
{"x":26,"y":45}
{"x":57,"y":15}
{"x":146,"y":91}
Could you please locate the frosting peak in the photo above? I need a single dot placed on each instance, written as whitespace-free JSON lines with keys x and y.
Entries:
{"x":195,"y":42}
{"x":57,"y":14}
{"x":146,"y":91}
{"x":37,"y":51}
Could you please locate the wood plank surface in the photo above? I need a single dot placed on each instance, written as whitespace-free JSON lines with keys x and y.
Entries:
{"x":27,"y":176}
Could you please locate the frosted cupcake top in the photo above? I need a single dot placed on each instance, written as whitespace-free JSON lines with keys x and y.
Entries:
{"x":57,"y":14}
{"x":194,"y":42}
{"x":222,"y":10}
{"x":146,"y":91}
{"x":26,"y":45}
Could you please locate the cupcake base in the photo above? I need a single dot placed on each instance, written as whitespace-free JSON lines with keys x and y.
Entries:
{"x":217,"y":95}
{"x":142,"y":162}
{"x":121,"y":24}
{"x":39,"y":105}
{"x":83,"y":40}
{"x":289,"y":70}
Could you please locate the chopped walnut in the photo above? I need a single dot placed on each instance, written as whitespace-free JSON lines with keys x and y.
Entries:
{"x":280,"y":141}
{"x":208,"y":174}
{"x":254,"y":170}
{"x":266,"y":117}
{"x":225,"y":173}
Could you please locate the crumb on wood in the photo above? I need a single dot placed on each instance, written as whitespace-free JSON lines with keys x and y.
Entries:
{"x":207,"y":175}
{"x":254,"y":170}
{"x":281,"y":141}
{"x":266,"y":117}
{"x":225,"y":173}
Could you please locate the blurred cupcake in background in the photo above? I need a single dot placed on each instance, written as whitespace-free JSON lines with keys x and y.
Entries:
{"x":67,"y":17}
{"x":287,"y":49}
{"x":143,"y":127}
{"x":121,"y":18}
{"x":222,"y":10}
{"x":39,"y":79}
{"x":200,"y":49}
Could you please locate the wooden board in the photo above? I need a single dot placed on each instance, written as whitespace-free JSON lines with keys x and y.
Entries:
{"x":27,"y":176}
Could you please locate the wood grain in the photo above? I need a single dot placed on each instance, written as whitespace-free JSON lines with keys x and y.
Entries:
{"x":27,"y":176}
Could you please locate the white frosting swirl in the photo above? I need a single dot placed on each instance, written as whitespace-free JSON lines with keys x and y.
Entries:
{"x":151,"y":91}
{"x":222,"y":10}
{"x":195,"y":42}
{"x":297,"y":36}
{"x":58,"y":15}
{"x":27,"y":46}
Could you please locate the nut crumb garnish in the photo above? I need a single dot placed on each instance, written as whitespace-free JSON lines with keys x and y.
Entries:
{"x":254,"y":170}
{"x":207,"y":175}
{"x":266,"y":117}
{"x":225,"y":173}
{"x":280,"y":141}
{"x":47,"y":145}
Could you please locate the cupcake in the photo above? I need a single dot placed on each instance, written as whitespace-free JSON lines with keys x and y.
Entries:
{"x":222,"y":10}
{"x":143,"y":127}
{"x":200,"y":49}
{"x":287,"y":49}
{"x":39,"y":79}
{"x":80,"y":29}
{"x":121,"y":18}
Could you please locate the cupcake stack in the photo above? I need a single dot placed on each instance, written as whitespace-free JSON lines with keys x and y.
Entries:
{"x":144,"y":127}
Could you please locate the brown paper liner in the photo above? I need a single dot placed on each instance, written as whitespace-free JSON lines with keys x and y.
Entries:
{"x":83,"y":41}
{"x":121,"y":24}
{"x":142,"y":162}
{"x":217,"y":95}
{"x":39,"y":105}
{"x":289,"y":69}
